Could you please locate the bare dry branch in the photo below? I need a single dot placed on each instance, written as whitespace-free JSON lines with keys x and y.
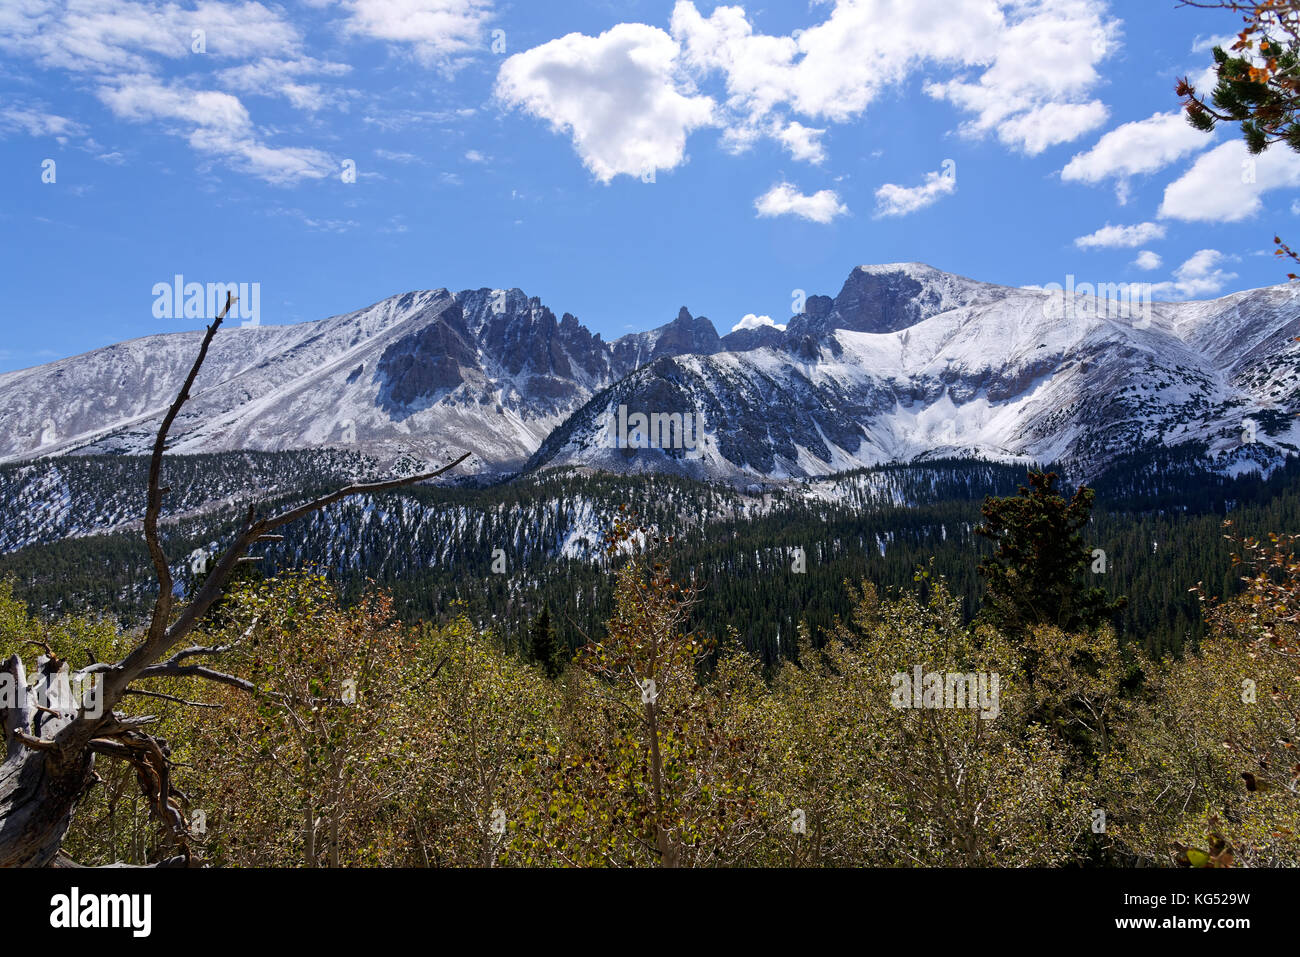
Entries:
{"x":140,"y":692}
{"x":153,"y":506}
{"x":197,"y":671}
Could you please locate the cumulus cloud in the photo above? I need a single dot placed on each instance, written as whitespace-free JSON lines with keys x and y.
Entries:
{"x":1143,"y":146}
{"x":1200,"y":276}
{"x":1051,"y":124}
{"x":752,"y":321}
{"x":216,"y":124}
{"x":831,"y":70}
{"x":895,"y":200}
{"x":1043,"y":64}
{"x":1026,"y":70}
{"x":1118,"y":237}
{"x":617,"y":95}
{"x":784,"y":199}
{"x":1148,"y":260}
{"x":438,"y":32}
{"x":803,"y":142}
{"x":1227,"y":184}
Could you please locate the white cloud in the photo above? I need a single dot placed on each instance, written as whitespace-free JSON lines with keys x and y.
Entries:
{"x":316,"y":225}
{"x":895,"y":200}
{"x":1113,"y":237}
{"x":123,"y":44}
{"x":1052,"y":124}
{"x":1199,"y":277}
{"x":143,"y":98}
{"x":38,"y":122}
{"x":216,"y":124}
{"x":1026,"y":68}
{"x":836,"y":68}
{"x":617,"y":95}
{"x":1042,"y":65}
{"x":439,"y":32}
{"x":1226,"y":184}
{"x":1143,"y":146}
{"x":393,"y":121}
{"x":108,"y":36}
{"x":752,"y":321}
{"x":474,"y":156}
{"x":784,"y":199}
{"x":1205,"y":44}
{"x":1148,"y":260}
{"x":268,"y":76}
{"x":802,"y":142}
{"x":397,"y":156}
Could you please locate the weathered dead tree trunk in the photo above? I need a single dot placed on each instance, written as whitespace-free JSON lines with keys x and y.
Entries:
{"x":40,"y":782}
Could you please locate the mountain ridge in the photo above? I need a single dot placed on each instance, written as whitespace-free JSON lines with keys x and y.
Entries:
{"x":906,"y":362}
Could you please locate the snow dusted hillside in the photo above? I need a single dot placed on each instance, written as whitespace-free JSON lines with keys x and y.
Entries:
{"x":908,"y":363}
{"x":416,"y":377}
{"x":905,"y":363}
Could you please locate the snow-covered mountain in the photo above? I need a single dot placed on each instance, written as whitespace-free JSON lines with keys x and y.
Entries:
{"x":905,"y":363}
{"x":910,"y":363}
{"x":411,"y":378}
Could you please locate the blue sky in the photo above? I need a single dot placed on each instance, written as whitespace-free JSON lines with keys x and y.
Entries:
{"x":617,"y":160}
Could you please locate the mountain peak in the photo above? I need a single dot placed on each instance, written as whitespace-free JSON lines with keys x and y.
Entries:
{"x":910,"y":268}
{"x":685,"y":335}
{"x":893,"y":296}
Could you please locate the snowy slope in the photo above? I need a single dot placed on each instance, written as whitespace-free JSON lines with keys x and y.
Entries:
{"x":905,"y":363}
{"x":417,"y":376}
{"x":911,"y":364}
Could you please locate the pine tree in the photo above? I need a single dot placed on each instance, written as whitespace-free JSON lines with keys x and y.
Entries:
{"x":545,"y":650}
{"x":1036,"y":575}
{"x":1257,"y":83}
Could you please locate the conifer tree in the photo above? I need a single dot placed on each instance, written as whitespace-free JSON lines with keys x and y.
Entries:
{"x":544,"y":648}
{"x":1036,"y":575}
{"x":1257,"y":81}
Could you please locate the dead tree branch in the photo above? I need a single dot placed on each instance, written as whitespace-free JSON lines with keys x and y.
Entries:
{"x":51,"y":737}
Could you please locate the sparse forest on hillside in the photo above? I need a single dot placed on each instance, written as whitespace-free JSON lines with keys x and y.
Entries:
{"x":663,"y":742}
